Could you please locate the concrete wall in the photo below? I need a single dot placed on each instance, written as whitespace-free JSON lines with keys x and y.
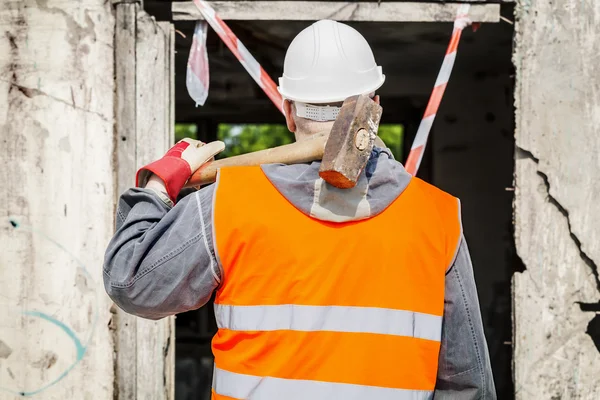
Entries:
{"x":62,"y":166}
{"x":57,"y":207}
{"x":557,"y":213}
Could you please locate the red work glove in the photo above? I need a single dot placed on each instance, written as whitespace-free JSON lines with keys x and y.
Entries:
{"x":176,"y":167}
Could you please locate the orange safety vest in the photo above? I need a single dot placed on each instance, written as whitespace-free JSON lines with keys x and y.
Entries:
{"x":309,"y":309}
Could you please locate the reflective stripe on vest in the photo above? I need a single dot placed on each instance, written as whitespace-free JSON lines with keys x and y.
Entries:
{"x":310,"y":309}
{"x":329,"y":318}
{"x":239,"y":386}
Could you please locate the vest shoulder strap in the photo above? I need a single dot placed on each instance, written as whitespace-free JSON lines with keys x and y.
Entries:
{"x":448,"y":208}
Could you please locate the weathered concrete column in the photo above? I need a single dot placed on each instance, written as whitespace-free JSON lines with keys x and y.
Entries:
{"x":144,"y":130}
{"x":557,"y":211}
{"x":57,"y":184}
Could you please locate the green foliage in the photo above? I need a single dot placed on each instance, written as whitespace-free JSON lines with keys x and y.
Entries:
{"x":393,"y":137}
{"x":185,"y":131}
{"x":240,"y":139}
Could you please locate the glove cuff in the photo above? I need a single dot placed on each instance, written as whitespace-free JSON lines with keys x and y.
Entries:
{"x":173,"y":171}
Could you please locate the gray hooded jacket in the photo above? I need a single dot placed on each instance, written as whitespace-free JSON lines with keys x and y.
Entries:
{"x":162,"y":259}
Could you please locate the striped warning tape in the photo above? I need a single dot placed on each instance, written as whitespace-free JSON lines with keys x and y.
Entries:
{"x":418,"y":147}
{"x":270,"y":88}
{"x":241,"y":52}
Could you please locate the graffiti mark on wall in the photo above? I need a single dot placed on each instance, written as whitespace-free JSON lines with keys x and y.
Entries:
{"x":84,"y":282}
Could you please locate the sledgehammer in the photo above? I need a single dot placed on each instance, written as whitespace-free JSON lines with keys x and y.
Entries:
{"x":344,"y":151}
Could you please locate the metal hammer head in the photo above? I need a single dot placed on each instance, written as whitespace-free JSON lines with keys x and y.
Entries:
{"x":350,"y":142}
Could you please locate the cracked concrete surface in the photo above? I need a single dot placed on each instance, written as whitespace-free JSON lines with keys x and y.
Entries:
{"x":556,"y":209}
{"x":552,"y":200}
{"x":553,"y":354}
{"x":32,"y":92}
{"x":56,"y":148}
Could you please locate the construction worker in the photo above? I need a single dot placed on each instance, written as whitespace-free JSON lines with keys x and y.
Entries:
{"x":321,"y":293}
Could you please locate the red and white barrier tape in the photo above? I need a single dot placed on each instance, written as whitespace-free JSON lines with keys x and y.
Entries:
{"x":418,"y":147}
{"x":197,"y":78}
{"x":241,"y":52}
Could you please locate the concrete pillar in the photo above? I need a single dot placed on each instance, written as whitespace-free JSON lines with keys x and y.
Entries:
{"x":557,"y":212}
{"x":144,"y":128}
{"x":57,"y":207}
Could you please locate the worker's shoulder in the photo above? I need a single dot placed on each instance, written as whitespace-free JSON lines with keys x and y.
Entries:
{"x":435,"y":194}
{"x":438,"y":203}
{"x":243,"y":172}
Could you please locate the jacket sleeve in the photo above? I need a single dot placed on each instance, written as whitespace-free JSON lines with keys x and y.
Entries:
{"x":161,"y":260}
{"x":464,"y":369}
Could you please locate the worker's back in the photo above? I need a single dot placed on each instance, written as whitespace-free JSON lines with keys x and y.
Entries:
{"x":320,"y":298}
{"x":321,"y":293}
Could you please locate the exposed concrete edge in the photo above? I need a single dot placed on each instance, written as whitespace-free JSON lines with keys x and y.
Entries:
{"x":338,"y":10}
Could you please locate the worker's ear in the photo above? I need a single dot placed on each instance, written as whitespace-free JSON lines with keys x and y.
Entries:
{"x":289,"y":116}
{"x":376,"y":99}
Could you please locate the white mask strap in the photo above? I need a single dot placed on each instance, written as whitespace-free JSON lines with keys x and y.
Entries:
{"x":317,"y":113}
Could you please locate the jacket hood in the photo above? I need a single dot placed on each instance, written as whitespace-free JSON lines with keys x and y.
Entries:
{"x":380,"y":183}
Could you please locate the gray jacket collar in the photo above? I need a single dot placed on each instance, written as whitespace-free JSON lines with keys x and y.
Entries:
{"x":382,"y":181}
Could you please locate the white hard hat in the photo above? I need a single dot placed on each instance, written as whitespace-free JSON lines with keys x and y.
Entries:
{"x":328,"y":62}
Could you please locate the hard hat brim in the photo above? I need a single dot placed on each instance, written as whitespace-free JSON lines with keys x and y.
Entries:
{"x":326,"y":99}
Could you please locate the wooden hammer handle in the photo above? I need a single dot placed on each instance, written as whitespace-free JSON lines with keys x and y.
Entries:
{"x":300,"y":152}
